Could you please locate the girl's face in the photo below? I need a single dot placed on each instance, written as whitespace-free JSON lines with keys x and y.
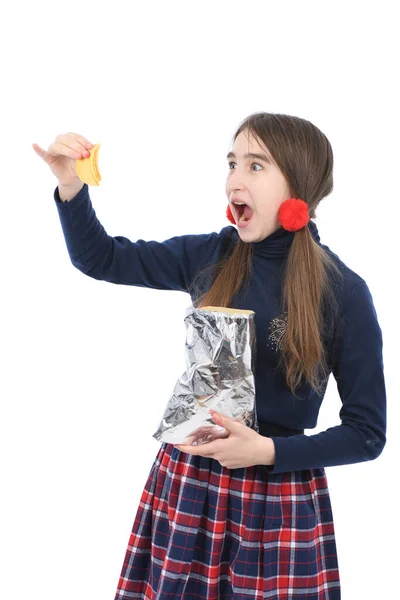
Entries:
{"x":259,"y":183}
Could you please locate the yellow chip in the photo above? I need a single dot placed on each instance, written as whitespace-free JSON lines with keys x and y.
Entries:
{"x":87,"y":169}
{"x":94,"y":164}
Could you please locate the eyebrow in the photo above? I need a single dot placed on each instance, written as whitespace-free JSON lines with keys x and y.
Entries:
{"x":262,"y":157}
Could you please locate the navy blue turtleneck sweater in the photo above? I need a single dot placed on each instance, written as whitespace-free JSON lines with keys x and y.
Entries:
{"x":355,"y":346}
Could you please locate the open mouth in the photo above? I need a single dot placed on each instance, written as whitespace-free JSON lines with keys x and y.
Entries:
{"x":243,"y":212}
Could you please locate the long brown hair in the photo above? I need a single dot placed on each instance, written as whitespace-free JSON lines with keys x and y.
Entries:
{"x":304,"y":155}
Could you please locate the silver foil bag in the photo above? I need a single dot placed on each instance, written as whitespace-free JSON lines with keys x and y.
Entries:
{"x":220,"y":357}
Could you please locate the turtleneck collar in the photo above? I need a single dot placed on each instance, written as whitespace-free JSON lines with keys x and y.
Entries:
{"x":277,"y":244}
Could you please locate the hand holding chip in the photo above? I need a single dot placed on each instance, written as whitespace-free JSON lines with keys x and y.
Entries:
{"x":72,"y":158}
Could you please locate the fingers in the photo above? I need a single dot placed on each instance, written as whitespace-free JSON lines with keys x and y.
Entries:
{"x":68,"y":149}
{"x":71,"y":144}
{"x":75,"y":141}
{"x":189,"y":449}
{"x":42,"y":153}
{"x":207,"y":450}
{"x":82,"y":140}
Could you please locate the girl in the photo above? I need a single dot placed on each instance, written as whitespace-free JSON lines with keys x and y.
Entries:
{"x":250,"y":516}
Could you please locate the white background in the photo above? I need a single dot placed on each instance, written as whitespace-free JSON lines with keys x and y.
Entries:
{"x":88,"y":366}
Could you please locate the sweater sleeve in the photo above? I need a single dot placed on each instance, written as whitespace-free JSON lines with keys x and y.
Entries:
{"x":169,"y":265}
{"x":359,"y":373}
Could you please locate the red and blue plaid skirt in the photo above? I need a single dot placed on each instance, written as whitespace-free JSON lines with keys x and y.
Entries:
{"x":204,"y":532}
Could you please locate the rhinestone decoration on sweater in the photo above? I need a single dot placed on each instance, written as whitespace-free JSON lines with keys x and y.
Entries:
{"x":278,"y":327}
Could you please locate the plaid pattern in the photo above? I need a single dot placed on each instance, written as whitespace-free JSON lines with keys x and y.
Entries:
{"x":204,"y":532}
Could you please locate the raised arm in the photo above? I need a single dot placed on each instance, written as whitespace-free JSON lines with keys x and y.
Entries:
{"x":168,"y":265}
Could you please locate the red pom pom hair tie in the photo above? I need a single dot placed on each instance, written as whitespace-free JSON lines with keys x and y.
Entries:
{"x":230,"y":216}
{"x":293,"y":214}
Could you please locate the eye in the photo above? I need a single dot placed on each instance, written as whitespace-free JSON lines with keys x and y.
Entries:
{"x":232,"y":163}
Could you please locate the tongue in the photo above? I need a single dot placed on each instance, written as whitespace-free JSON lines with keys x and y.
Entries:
{"x":248,"y":212}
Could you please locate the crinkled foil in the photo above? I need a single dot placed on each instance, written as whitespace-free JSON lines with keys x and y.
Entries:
{"x":220,"y":357}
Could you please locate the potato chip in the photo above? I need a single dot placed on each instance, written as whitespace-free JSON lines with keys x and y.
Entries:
{"x":87,"y":169}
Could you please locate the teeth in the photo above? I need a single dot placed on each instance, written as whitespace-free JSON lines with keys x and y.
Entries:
{"x":243,"y":218}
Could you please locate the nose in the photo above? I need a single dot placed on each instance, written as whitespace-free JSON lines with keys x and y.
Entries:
{"x":235,"y":180}
{"x":234,"y":185}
